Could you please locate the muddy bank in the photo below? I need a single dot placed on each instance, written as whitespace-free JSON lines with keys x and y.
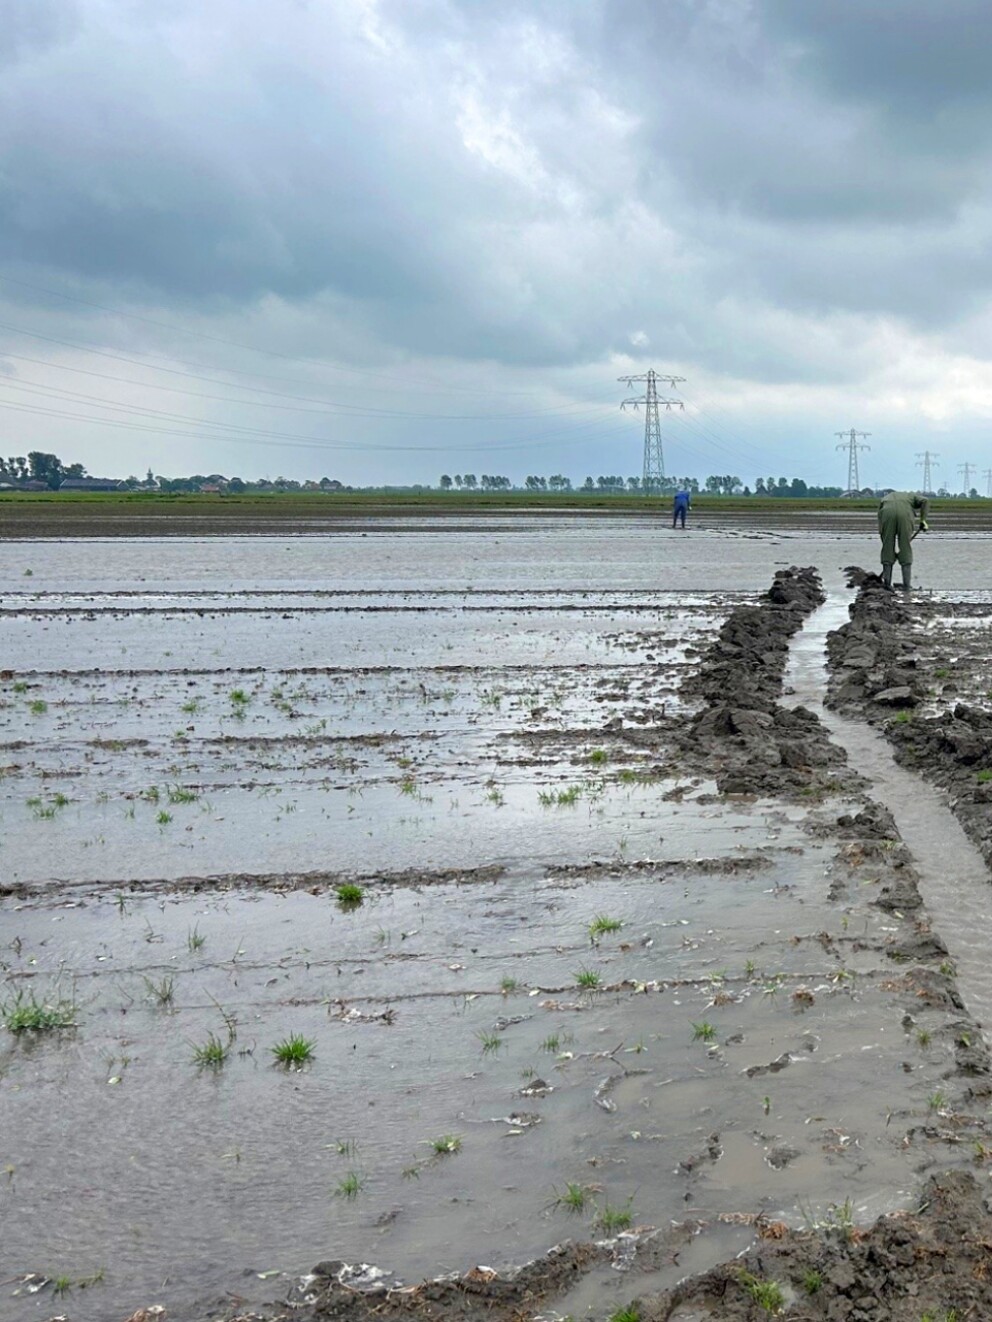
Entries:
{"x":936,"y":1264}
{"x":743,"y":737}
{"x":891,"y":664}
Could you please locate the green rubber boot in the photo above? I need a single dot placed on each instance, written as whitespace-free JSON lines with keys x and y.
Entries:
{"x":887,"y":576}
{"x":907,"y":578}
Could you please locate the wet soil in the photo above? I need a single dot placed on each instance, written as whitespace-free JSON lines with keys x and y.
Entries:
{"x":919,"y":669}
{"x":773,"y":1028}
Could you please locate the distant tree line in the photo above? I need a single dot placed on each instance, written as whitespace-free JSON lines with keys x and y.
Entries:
{"x":37,"y":466}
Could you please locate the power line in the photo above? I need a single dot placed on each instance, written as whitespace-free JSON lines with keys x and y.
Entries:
{"x":654,"y":456}
{"x":926,"y":460}
{"x":260,"y":390}
{"x":852,"y":446}
{"x":427,"y":384}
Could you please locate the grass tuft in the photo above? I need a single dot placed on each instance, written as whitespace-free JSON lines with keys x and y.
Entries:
{"x":349,"y":895}
{"x":602,"y":924}
{"x":613,"y":1219}
{"x":350,"y":1186}
{"x":211,"y":1054}
{"x":294,"y":1052}
{"x":24,"y":1013}
{"x":445,"y":1145}
{"x":704,"y":1032}
{"x":588,"y":979}
{"x":766,"y":1294}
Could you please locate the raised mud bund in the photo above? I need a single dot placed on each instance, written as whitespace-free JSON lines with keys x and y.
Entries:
{"x":774,"y":1033}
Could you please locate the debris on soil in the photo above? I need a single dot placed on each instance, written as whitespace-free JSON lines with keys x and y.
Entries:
{"x":936,"y":1263}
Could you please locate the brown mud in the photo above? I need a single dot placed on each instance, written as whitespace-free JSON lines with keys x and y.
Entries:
{"x":904,"y":664}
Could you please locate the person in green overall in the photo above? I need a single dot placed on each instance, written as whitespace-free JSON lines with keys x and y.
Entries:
{"x":895,"y":524}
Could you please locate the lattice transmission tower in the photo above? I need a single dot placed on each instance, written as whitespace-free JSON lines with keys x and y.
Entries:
{"x":654,"y":455}
{"x":852,"y":445}
{"x":987,"y":474}
{"x":966,"y":471}
{"x":927,"y":460}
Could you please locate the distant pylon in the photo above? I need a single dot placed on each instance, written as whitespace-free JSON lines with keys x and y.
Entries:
{"x":926,"y":460}
{"x":852,"y":446}
{"x":966,"y":470}
{"x":987,"y":474}
{"x":654,"y":456}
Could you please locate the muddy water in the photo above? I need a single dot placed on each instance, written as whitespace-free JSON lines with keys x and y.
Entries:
{"x":546,"y":553}
{"x":954,"y":880}
{"x":424,"y":752}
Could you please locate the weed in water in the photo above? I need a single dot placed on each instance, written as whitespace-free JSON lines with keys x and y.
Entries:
{"x":507,"y":985}
{"x":24,"y":1013}
{"x":602,"y":924}
{"x":195,"y":940}
{"x":491,"y":1043}
{"x":567,"y":797}
{"x":704,"y":1032}
{"x":598,"y":756}
{"x":191,"y":706}
{"x":411,"y":1172}
{"x":628,"y":1314}
{"x":936,"y":1101}
{"x":903,"y":717}
{"x":947,"y":968}
{"x":587,"y":979}
{"x":294,"y":1052}
{"x":766,"y":1105}
{"x":614,"y":1219}
{"x":495,"y":797}
{"x":239,"y":697}
{"x":408,"y":785}
{"x":766,"y":1294}
{"x":212,"y":1053}
{"x":178,"y":794}
{"x":346,"y":1147}
{"x":575,"y":1198}
{"x":59,"y":801}
{"x":984,"y":776}
{"x":163,"y":818}
{"x":350,"y":1186}
{"x":61,"y":1285}
{"x":923,"y":1037}
{"x":20,"y":686}
{"x":349,"y":895}
{"x":941,"y":672}
{"x":38,"y":707}
{"x":151,"y":794}
{"x":551,"y":1043}
{"x":445,"y":1145}
{"x":161,"y":991}
{"x":812,"y":1281}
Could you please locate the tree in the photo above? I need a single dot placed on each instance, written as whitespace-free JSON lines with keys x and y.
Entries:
{"x":588,"y":485}
{"x":470,"y":481}
{"x":458,"y":481}
{"x":759,"y":487}
{"x":633,"y":484}
{"x":445,"y":482}
{"x":558,"y":482}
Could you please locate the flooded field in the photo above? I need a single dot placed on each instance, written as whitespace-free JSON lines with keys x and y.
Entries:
{"x":445,"y":808}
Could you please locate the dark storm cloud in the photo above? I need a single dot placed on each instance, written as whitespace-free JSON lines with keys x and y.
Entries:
{"x":531,"y":182}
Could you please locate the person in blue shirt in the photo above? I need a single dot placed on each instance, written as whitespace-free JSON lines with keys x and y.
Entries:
{"x":680,"y":508}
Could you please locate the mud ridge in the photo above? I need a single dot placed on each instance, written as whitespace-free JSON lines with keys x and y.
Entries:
{"x":748,"y":741}
{"x":875,"y":673}
{"x":906,"y":1266}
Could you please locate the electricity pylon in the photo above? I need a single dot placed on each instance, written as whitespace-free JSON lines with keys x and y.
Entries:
{"x":927,"y":460}
{"x":852,"y":446}
{"x":987,"y":474}
{"x":966,"y":470}
{"x":654,"y":457}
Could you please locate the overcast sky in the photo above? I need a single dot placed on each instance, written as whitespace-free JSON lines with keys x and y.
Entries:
{"x":386,"y":239}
